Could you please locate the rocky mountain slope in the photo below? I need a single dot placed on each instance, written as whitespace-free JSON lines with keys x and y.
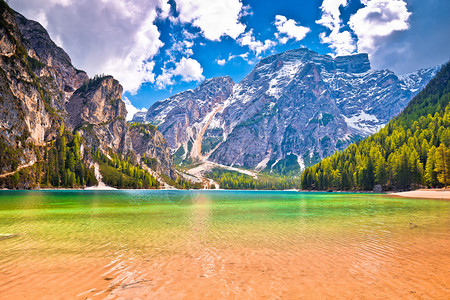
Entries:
{"x":42,"y":95}
{"x":151,"y":144}
{"x":184,"y":118}
{"x":96,"y":109}
{"x":35,"y":83}
{"x":293,"y":109}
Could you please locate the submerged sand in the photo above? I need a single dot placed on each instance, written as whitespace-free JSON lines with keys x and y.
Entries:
{"x":246,"y":273}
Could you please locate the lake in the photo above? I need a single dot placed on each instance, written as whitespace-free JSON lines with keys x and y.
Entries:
{"x":222,"y":244}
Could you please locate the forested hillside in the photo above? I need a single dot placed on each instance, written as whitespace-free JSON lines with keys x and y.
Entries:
{"x":232,"y":180}
{"x":412,"y":150}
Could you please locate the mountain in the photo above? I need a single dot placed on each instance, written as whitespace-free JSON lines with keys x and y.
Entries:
{"x":184,"y":118}
{"x":292,"y":110}
{"x":412,"y":150}
{"x":55,"y":121}
{"x":36,"y":79}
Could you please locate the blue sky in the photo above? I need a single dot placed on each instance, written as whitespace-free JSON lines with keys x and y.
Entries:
{"x":157,"y":48}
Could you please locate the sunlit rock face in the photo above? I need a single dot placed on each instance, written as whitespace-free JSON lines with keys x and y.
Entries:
{"x":40,"y":91}
{"x":36,"y":80}
{"x":294,"y":108}
{"x":152,"y":144}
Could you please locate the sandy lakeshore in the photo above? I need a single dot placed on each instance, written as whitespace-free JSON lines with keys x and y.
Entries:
{"x":443,"y":194}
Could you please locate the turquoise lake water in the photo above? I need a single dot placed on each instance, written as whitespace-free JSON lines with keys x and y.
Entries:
{"x":217,"y":239}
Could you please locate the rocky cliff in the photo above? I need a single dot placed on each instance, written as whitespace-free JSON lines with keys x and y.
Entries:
{"x":97,"y":110}
{"x":150,"y":143}
{"x":293,"y":109}
{"x":35,"y":83}
{"x":41,"y":91}
{"x":184,"y":118}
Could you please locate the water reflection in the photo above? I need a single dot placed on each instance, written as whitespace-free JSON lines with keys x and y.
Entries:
{"x":202,"y":251}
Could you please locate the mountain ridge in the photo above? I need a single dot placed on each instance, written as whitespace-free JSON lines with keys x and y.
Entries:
{"x":293,"y":103}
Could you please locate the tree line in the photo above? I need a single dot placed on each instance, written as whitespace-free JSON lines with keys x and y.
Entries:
{"x":237,"y":181}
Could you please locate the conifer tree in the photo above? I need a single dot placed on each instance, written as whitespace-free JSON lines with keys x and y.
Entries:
{"x":442,"y":167}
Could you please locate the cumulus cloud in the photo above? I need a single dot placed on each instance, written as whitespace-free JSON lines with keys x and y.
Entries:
{"x":164,"y":79}
{"x":423,"y":45}
{"x":221,"y":62}
{"x":375,"y":21}
{"x":341,"y":42}
{"x":131,"y":110}
{"x":215,"y":18}
{"x":187,"y":68}
{"x":378,"y":19}
{"x":244,"y":56}
{"x":248,"y":39}
{"x":183,"y":47}
{"x":289,"y":29}
{"x":116,"y":37}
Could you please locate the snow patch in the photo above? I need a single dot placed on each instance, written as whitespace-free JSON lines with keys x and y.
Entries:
{"x":363,"y":122}
{"x":300,"y":162}
{"x":283,"y":77}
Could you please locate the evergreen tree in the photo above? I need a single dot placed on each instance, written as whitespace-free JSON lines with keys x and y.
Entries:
{"x":430,"y":168}
{"x":442,"y":167}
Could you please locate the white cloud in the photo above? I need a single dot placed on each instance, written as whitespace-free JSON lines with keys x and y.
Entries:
{"x":189,"y":35}
{"x":117,"y":37}
{"x":187,"y":68}
{"x":340,"y":41}
{"x":331,"y":16}
{"x":244,"y":56}
{"x":40,"y":17}
{"x":164,"y":9}
{"x":245,"y":11}
{"x":248,"y":39}
{"x":378,"y":19}
{"x":164,"y":79}
{"x":188,"y":44}
{"x":180,"y":47}
{"x":289,"y":29}
{"x":134,"y":68}
{"x":131,"y":110}
{"x":221,"y":62}
{"x":215,"y":18}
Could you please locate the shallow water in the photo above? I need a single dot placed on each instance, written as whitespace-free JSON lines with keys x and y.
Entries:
{"x":222,"y":244}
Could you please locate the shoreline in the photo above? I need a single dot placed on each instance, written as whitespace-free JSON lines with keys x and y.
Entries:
{"x":435,"y":194}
